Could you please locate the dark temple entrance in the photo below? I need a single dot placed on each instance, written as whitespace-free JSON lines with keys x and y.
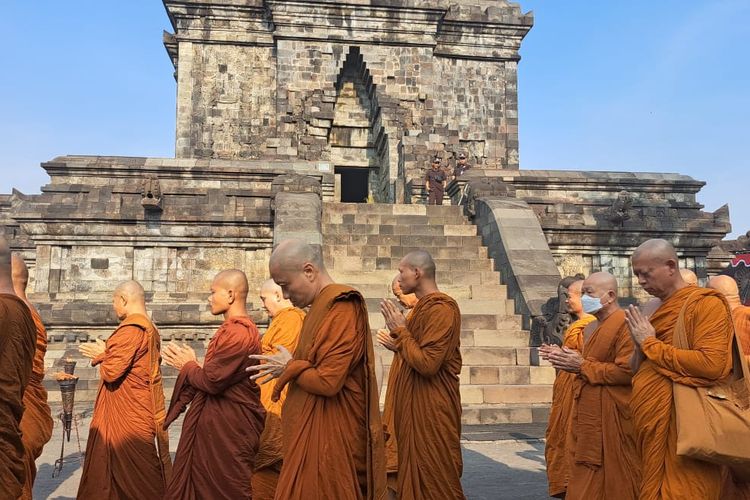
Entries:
{"x":353,"y":184}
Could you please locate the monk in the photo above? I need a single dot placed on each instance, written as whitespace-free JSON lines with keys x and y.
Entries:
{"x":36,"y":424}
{"x":407,"y":301}
{"x":286,"y":323}
{"x":127,"y":454}
{"x":333,"y":436}
{"x":17,"y":344}
{"x":601,"y":446}
{"x":221,"y":430}
{"x":424,"y":389}
{"x":727,"y":286}
{"x":708,"y":325}
{"x":558,"y":427}
{"x":689,"y":277}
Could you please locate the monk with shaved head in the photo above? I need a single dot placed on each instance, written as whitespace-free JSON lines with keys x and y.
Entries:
{"x":601,"y":445}
{"x":36,"y":424}
{"x":423,"y":385}
{"x":689,"y":277}
{"x":704,"y":317}
{"x":559,"y":423}
{"x":221,"y":430}
{"x":17,"y":344}
{"x":333,"y":436}
{"x":127,"y":454}
{"x":286,"y":323}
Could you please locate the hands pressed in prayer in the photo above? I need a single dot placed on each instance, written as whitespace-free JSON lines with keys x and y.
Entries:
{"x":546,"y":349}
{"x":178,"y":356}
{"x":394,"y":318}
{"x":566,"y":359}
{"x":272,"y":368}
{"x":92,"y":350}
{"x":384,"y":339}
{"x":639,"y":325}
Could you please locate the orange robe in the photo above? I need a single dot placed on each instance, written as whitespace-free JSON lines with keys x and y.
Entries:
{"x":709,"y":331}
{"x":36,"y":424}
{"x":221,"y":430}
{"x":284,"y":330}
{"x":127,"y":454}
{"x":604,"y":463}
{"x":733,"y":488}
{"x":558,"y":427}
{"x":426,"y":401}
{"x":17,"y":344}
{"x":333,"y":435}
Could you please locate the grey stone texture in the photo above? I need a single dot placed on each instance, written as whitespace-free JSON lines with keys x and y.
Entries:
{"x":380,"y":84}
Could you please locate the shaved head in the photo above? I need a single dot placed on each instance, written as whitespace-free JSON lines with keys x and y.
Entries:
{"x":689,"y":276}
{"x":272,"y":298}
{"x":573,"y":302}
{"x":298,"y":268}
{"x":293,"y":254}
{"x":129,"y":298}
{"x":656,"y":265}
{"x":421,"y":260}
{"x":233,"y":279}
{"x":603,"y":286}
{"x":270,"y":286}
{"x":20,"y":272}
{"x":727,"y":286}
{"x":6,"y":282}
{"x":604,"y":281}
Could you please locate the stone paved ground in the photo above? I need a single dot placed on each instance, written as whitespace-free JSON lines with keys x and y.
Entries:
{"x":500,"y":462}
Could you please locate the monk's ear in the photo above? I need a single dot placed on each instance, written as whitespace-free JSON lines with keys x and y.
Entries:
{"x":309,"y":271}
{"x":230,"y":296}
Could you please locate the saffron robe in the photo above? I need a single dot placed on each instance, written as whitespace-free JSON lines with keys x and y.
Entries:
{"x":221,"y":430}
{"x":709,"y":330}
{"x":424,"y":393}
{"x":127,"y":454}
{"x":37,"y":423}
{"x":284,"y":330}
{"x":604,"y":463}
{"x":333,"y":435}
{"x":558,"y":426}
{"x":17,"y":344}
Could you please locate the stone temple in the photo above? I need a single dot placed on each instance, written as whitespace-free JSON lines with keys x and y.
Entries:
{"x":292,"y":115}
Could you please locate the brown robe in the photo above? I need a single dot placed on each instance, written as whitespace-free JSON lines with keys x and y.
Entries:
{"x":603,"y":458}
{"x":333,"y":435}
{"x":127,"y":454}
{"x":36,"y":424}
{"x":709,"y":331}
{"x":284,"y":330}
{"x":17,"y":344}
{"x":558,"y":426}
{"x":424,"y":393}
{"x":222,"y":428}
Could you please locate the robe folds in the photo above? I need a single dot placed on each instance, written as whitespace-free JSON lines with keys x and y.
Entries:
{"x":37,"y":423}
{"x":424,"y":394}
{"x":284,"y":330}
{"x":709,"y":330}
{"x":604,"y":463}
{"x":331,"y":427}
{"x":127,"y":454}
{"x":558,"y":427}
{"x":17,"y":345}
{"x":221,"y":430}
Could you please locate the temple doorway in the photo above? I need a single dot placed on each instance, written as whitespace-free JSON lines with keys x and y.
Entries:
{"x":354,"y":184}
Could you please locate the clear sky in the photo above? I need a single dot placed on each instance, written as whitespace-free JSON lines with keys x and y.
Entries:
{"x":660,"y":86}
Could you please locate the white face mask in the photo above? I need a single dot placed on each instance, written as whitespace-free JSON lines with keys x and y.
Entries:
{"x":591,"y":304}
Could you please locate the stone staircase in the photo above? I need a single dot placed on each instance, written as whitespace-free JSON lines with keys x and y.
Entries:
{"x":363,"y":244}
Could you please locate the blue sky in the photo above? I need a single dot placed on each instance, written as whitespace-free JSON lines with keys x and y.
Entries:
{"x":634,"y":86}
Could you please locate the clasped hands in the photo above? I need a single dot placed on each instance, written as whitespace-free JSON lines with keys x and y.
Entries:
{"x":272,"y":367}
{"x":394,"y":319}
{"x":562,"y":358}
{"x":639,"y":325}
{"x":92,"y":350}
{"x":177,"y":356}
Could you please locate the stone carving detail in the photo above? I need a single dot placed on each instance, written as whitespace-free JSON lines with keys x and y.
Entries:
{"x":621,"y":208}
{"x":151,"y":193}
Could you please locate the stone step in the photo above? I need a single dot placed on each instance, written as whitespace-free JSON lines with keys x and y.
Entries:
{"x":469,"y":321}
{"x":511,"y":337}
{"x":353,"y":262}
{"x":382,"y":289}
{"x":503,"y":394}
{"x":392,"y":209}
{"x":363,"y":275}
{"x":415,"y":229}
{"x":467,"y":306}
{"x":355,"y":242}
{"x":478,"y":414}
{"x":389,"y":219}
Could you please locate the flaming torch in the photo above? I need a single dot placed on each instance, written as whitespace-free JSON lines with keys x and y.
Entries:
{"x":67,"y":382}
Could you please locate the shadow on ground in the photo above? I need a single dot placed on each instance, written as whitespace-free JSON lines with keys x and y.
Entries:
{"x":494,"y":471}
